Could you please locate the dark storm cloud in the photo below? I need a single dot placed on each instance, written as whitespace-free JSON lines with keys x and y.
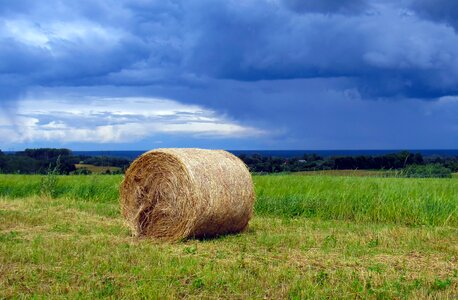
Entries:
{"x":283,"y":65}
{"x":267,"y":42}
{"x":438,"y":10}
{"x":387,"y":52}
{"x":329,"y":7}
{"x":83,"y":43}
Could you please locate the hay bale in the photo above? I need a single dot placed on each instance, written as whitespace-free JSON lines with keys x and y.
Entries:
{"x":174,"y":194}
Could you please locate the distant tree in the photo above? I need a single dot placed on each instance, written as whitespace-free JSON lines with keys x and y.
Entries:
{"x":418,"y":159}
{"x":344,"y":163}
{"x":308,"y":162}
{"x":425,"y":171}
{"x":107,"y":161}
{"x":45,"y":153}
{"x":2,"y":161}
{"x":21,"y":164}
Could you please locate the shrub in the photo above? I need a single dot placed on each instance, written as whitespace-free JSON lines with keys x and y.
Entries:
{"x":427,"y":171}
{"x":49,"y":181}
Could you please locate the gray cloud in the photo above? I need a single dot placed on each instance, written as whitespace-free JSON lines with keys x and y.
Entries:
{"x":328,"y":6}
{"x":445,"y":11}
{"x":175,"y":42}
{"x":267,"y":64}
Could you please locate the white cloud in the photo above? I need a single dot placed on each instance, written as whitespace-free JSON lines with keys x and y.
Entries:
{"x":25,"y":32}
{"x":43,"y":34}
{"x":114,"y":120}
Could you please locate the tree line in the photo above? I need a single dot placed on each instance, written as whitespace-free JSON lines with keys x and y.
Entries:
{"x":313,"y":162}
{"x":63,"y":161}
{"x":42,"y":160}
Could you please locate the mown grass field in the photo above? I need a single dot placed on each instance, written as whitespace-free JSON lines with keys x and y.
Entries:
{"x":311,"y":237}
{"x":97,"y":169}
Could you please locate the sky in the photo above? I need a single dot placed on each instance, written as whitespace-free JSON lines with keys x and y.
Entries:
{"x":245,"y":74}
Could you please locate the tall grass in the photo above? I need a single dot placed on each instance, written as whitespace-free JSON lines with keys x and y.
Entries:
{"x":383,"y":200}
{"x":408,"y":201}
{"x":96,"y":188}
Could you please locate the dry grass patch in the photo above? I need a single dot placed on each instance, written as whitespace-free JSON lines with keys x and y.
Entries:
{"x":97,"y":169}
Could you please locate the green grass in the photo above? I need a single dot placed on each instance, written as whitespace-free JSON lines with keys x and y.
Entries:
{"x":76,"y":245}
{"x":358,"y":173}
{"x":95,"y":188}
{"x":50,"y":248}
{"x":365,"y":200}
{"x":404,"y":201}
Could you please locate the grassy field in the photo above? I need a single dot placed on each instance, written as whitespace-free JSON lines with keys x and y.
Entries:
{"x":364,"y":200}
{"x":311,"y":237}
{"x":97,"y":169}
{"x":358,"y":173}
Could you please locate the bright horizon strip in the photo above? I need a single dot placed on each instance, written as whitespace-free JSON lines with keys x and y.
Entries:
{"x":115,"y":120}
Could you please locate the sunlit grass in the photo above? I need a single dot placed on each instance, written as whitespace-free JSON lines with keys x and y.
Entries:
{"x":64,"y":248}
{"x":96,"y":188}
{"x":406,"y":201}
{"x":382,"y":200}
{"x":357,"y":173}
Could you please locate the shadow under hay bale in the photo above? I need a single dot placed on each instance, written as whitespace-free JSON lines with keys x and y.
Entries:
{"x":174,"y":194}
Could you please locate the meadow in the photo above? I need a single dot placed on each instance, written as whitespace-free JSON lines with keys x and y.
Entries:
{"x":314,"y":236}
{"x":97,"y":169}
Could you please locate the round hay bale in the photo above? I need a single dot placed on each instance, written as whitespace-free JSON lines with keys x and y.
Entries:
{"x":174,"y":194}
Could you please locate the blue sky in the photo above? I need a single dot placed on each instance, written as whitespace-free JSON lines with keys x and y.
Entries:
{"x":247,"y":74}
